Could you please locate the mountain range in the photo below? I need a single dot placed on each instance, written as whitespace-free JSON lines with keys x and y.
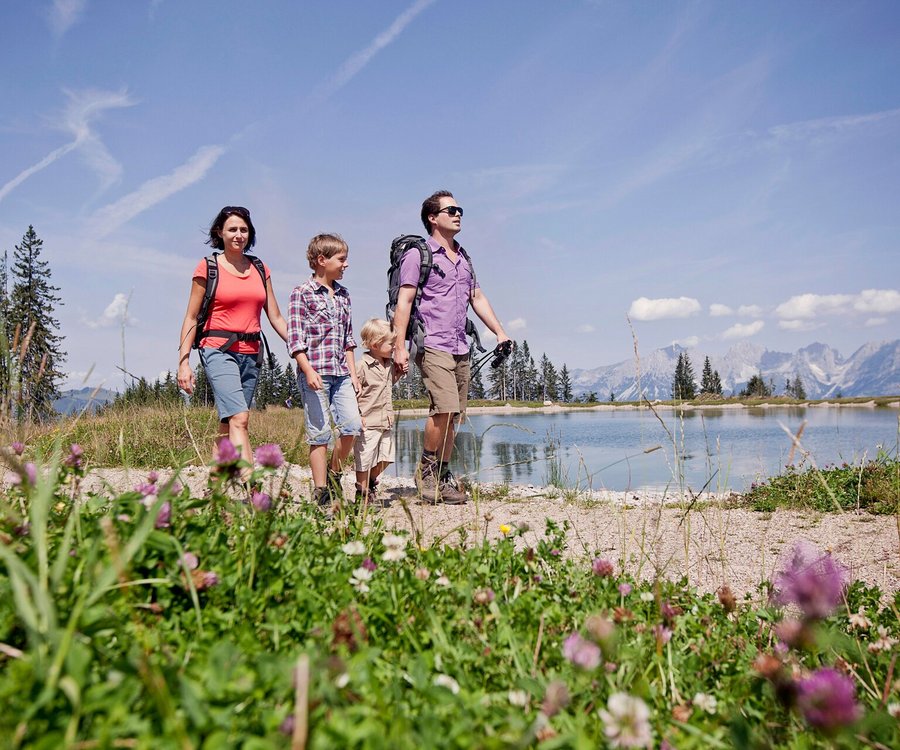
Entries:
{"x":77,"y":400}
{"x":872,"y":370}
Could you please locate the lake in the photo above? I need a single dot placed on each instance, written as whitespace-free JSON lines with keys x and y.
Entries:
{"x":626,"y":449}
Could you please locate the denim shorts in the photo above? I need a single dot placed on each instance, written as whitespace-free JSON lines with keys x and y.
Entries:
{"x":233,"y":379}
{"x":336,"y":400}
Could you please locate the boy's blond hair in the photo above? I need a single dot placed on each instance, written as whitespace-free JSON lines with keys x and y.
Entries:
{"x":374,"y":331}
{"x":328,"y":245}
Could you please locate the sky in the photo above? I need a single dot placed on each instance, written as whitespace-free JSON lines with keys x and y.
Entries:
{"x":633,"y":174}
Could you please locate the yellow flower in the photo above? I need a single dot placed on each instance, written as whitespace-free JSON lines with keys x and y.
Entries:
{"x":505,"y":528}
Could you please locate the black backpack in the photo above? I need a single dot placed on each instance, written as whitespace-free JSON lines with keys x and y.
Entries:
{"x":415,"y":330}
{"x":212,"y":281}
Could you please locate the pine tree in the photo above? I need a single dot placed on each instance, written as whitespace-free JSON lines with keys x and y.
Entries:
{"x":565,"y":384}
{"x":683,"y":385}
{"x":5,"y":332}
{"x":549,"y":380}
{"x":32,"y":303}
{"x":498,"y":380}
{"x":202,"y":395}
{"x":717,"y":383}
{"x":707,"y":384}
{"x":798,"y":392}
{"x":756,"y":388}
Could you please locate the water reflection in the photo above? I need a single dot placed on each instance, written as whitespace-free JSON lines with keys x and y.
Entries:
{"x":627,"y":450}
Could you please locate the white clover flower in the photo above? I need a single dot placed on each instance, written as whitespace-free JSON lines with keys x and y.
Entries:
{"x":393,"y":541}
{"x":356,"y":547}
{"x":518,"y":698}
{"x":626,"y":721}
{"x":393,"y":554}
{"x":884,"y":642}
{"x":893,"y":709}
{"x":442,"y":580}
{"x":362,"y":574}
{"x":445,"y":680}
{"x":647,"y":596}
{"x":705,"y":702}
{"x":859,"y":621}
{"x":361,"y":586}
{"x":342,"y":680}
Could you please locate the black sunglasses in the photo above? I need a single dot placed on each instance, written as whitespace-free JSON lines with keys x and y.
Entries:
{"x":236,"y":210}
{"x":452,"y":210}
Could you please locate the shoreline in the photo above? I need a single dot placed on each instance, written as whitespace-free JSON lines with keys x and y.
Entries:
{"x":508,"y":409}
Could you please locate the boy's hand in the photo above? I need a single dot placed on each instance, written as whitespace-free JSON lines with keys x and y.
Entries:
{"x":356,"y":386}
{"x":314,"y":380}
{"x":401,"y":361}
{"x":363,"y":420}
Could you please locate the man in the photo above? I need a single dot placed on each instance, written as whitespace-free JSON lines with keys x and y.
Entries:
{"x":448,"y":291}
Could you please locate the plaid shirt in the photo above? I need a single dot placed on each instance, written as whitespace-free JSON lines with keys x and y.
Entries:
{"x":320,"y":325}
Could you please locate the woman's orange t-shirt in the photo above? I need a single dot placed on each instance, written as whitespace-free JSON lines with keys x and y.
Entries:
{"x":236,"y":307}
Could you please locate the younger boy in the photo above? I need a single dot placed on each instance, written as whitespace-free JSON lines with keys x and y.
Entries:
{"x":374,"y":450}
{"x":320,"y":339}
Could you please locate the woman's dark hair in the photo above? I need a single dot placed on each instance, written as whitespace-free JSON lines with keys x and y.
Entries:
{"x":216,"y":241}
{"x":431,"y":205}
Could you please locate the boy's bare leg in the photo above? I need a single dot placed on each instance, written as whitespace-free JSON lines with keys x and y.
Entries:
{"x":318,"y":462}
{"x":341,"y":450}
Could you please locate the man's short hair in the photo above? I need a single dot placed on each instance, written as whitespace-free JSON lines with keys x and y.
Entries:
{"x":328,"y":245}
{"x":431,"y":205}
{"x":374,"y":331}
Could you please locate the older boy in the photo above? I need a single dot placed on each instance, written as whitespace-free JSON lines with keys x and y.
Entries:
{"x":449,"y":290}
{"x":320,"y":339}
{"x":373,"y":450}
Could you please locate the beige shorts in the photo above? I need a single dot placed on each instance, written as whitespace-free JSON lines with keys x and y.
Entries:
{"x":446,"y":378}
{"x":372,"y":447}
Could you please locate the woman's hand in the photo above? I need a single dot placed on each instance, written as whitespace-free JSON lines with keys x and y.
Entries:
{"x":186,"y":380}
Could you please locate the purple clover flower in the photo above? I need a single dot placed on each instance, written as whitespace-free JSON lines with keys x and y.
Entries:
{"x":18,"y":448}
{"x":624,"y":589}
{"x":164,"y":519}
{"x":153,"y":477}
{"x":146,"y":489}
{"x":261,"y":502}
{"x":210,"y":579}
{"x":75,"y":457}
{"x":30,"y":475}
{"x":581,"y":652}
{"x":270,"y":456}
{"x":602,"y":568}
{"x":812,"y":580}
{"x":191,"y":561}
{"x":226,"y":455}
{"x":369,"y":564}
{"x":827,"y":700}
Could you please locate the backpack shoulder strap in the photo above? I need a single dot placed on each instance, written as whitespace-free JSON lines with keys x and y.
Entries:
{"x":212,"y":281}
{"x":426,"y":263}
{"x":261,"y":270}
{"x":469,"y":261}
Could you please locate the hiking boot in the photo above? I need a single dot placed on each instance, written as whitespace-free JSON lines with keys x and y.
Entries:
{"x":333,"y":484}
{"x":360,"y":494}
{"x":322,"y":498}
{"x":450,"y":493}
{"x":436,"y":491}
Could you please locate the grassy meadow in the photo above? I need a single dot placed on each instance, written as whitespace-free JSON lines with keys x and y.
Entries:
{"x":241,"y":619}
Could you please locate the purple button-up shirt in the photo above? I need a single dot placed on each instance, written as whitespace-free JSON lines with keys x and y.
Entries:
{"x":445,"y":297}
{"x":320,"y":325}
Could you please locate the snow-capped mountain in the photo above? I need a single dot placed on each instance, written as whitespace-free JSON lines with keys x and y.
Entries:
{"x":872,"y":370}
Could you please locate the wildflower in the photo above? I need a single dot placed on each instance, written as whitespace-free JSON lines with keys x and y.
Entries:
{"x":18,"y":448}
{"x":705,"y":702}
{"x":581,"y":652}
{"x":153,"y":477}
{"x":627,"y":721}
{"x":811,"y":580}
{"x":442,"y":580}
{"x":602,"y":568}
{"x":204,"y":579}
{"x":827,"y":700}
{"x":422,"y":574}
{"x":146,"y":489}
{"x":369,"y":564}
{"x":518,"y":698}
{"x":647,"y":596}
{"x":394,"y":554}
{"x":269,"y":456}
{"x":191,"y":561}
{"x":663,"y":635}
{"x":555,"y":699}
{"x":287,"y":725}
{"x":599,"y":628}
{"x":884,"y":641}
{"x":555,"y":552}
{"x":164,"y":517}
{"x":483,"y":596}
{"x":356,"y":547}
{"x":75,"y":457}
{"x":446,"y":681}
{"x":859,"y":621}
{"x":794,"y":633}
{"x":893,"y":710}
{"x":261,"y":501}
{"x":359,"y":578}
{"x":225,"y":454}
{"x":30,"y":474}
{"x":505,"y":528}
{"x":624,"y":589}
{"x":342,"y":680}
{"x":393,"y":540}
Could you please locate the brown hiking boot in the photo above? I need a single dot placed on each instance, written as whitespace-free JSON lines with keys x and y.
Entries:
{"x":433,"y":490}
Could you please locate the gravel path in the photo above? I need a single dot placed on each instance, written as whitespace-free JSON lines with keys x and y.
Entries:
{"x":652,"y":534}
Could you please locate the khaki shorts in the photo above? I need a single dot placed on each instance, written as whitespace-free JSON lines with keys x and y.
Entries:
{"x":372,"y":447}
{"x":446,"y":378}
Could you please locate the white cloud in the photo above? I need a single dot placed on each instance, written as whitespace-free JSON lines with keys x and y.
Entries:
{"x":717,"y":310}
{"x":585,"y":328}
{"x":154,"y":191}
{"x":83,"y":108}
{"x":743,"y":330}
{"x":116,"y":313}
{"x":516,"y":324}
{"x":798,"y":325}
{"x":872,"y":322}
{"x":357,"y":62}
{"x":63,"y":14}
{"x":826,"y":126}
{"x":878,"y":301}
{"x":688,"y":343}
{"x":807,"y":306}
{"x":657,"y":309}
{"x":749,"y":311}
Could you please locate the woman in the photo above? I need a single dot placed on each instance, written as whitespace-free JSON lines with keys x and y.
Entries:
{"x":230,"y":350}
